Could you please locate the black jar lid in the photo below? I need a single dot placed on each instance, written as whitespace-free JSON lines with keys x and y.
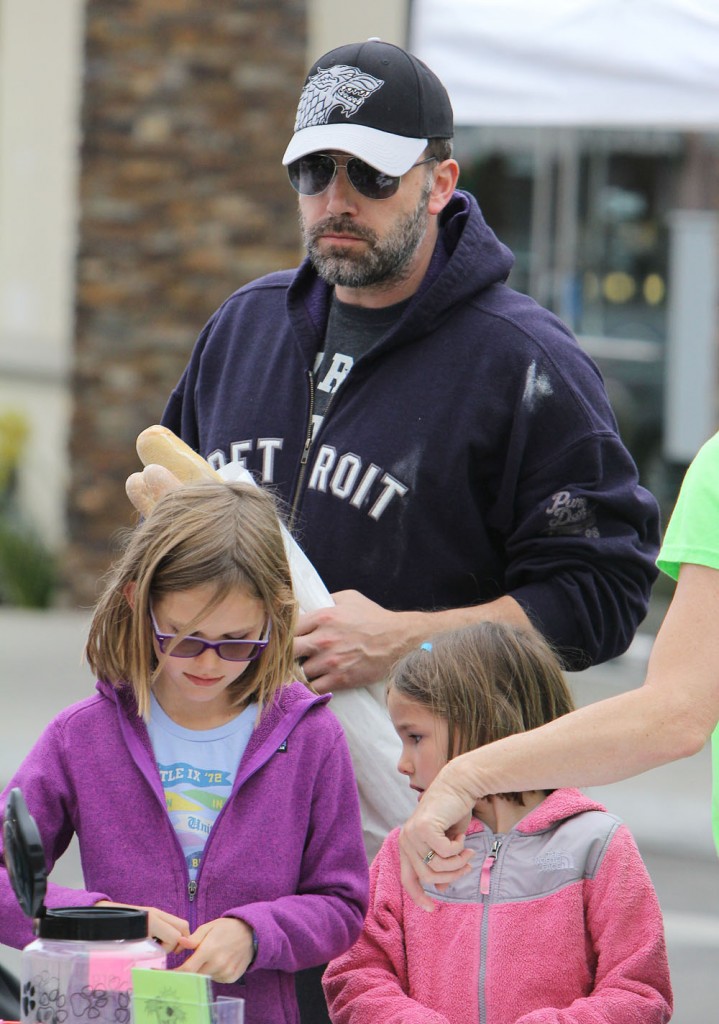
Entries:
{"x":25,"y":862}
{"x":92,"y":924}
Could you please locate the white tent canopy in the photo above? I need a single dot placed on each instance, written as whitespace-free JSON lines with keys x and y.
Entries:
{"x":653,"y":63}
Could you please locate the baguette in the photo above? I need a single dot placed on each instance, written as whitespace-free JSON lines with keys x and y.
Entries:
{"x":157,"y":445}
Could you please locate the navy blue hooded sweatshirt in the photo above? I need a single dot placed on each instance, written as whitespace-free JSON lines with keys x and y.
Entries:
{"x":470,"y":453}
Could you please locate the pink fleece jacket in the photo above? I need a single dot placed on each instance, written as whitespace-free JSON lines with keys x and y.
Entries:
{"x":558,"y":923}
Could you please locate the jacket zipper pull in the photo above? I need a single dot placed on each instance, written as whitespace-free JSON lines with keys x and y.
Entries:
{"x":306,"y":450}
{"x":489,"y":862}
{"x":192,"y":890}
{"x":308,"y":436}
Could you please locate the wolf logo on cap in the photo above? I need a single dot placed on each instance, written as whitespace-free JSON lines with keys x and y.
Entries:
{"x":339,"y":86}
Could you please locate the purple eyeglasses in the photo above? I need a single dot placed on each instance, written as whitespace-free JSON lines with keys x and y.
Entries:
{"x":194,"y":646}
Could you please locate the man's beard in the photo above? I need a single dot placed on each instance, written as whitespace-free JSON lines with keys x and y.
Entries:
{"x":384,"y":261}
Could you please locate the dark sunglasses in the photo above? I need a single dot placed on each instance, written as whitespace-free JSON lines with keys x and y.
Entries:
{"x":312,"y":174}
{"x":194,"y":646}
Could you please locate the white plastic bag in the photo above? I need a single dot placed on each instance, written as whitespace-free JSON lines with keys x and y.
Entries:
{"x":385,"y":798}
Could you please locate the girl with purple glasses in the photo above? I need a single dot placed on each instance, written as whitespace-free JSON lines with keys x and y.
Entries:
{"x":205,"y":781}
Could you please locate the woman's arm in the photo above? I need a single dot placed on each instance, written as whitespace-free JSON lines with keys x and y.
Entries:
{"x":671,"y":716}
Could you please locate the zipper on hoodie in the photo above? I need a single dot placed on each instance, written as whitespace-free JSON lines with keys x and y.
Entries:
{"x":485,"y":883}
{"x":305,"y":452}
{"x":192,"y":890}
{"x":489,"y":861}
{"x":308,"y":433}
{"x":307,"y":447}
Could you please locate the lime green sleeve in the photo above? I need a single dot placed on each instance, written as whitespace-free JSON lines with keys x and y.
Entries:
{"x":693,"y":531}
{"x":693,"y":536}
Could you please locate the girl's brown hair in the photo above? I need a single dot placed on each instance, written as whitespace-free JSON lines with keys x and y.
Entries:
{"x":487,"y":681}
{"x":226,"y":536}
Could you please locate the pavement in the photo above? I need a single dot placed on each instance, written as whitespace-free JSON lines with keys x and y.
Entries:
{"x":667,"y":809}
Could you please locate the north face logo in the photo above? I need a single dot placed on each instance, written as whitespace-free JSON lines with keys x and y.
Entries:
{"x":556,"y":861}
{"x":339,"y":86}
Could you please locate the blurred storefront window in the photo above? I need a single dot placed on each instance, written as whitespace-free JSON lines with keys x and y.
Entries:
{"x":587,"y":213}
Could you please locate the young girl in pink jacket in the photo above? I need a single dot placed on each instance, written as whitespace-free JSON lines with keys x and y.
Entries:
{"x":556,"y":919}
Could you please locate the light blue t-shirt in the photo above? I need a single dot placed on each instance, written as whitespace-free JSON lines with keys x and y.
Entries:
{"x":197,"y":769}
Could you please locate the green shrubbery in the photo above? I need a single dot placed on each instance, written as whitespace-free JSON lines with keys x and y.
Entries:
{"x":28,"y":571}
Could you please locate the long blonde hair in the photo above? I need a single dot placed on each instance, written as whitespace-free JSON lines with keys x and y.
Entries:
{"x":487,"y":681}
{"x":226,"y":536}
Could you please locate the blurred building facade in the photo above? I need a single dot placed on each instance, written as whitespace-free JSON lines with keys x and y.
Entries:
{"x":140,"y":184}
{"x":589,"y":130}
{"x":618,"y":233}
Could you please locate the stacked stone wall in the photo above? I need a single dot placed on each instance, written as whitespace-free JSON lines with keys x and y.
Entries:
{"x":188,"y":105}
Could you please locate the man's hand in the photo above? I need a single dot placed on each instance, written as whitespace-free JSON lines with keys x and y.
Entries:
{"x":146,"y":488}
{"x":351,"y":644}
{"x":223,"y":949}
{"x":356,"y":642}
{"x":165,"y":928}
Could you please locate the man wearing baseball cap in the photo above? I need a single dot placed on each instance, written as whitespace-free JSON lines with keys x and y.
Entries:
{"x":446,"y":450}
{"x":373,"y":119}
{"x":372,"y":100}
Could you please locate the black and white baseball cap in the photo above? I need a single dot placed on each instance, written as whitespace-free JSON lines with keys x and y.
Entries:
{"x":373,"y":100}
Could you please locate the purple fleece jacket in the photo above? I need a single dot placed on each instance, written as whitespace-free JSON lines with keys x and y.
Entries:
{"x":285,"y":854}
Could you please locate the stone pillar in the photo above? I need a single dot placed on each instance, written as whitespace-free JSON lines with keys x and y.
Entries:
{"x":187,"y":109}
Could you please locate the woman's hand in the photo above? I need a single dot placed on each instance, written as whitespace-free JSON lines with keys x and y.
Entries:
{"x":431,"y":842}
{"x":165,"y":928}
{"x":223,"y":948}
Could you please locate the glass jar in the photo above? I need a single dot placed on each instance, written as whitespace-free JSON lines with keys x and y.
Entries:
{"x":78,"y":969}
